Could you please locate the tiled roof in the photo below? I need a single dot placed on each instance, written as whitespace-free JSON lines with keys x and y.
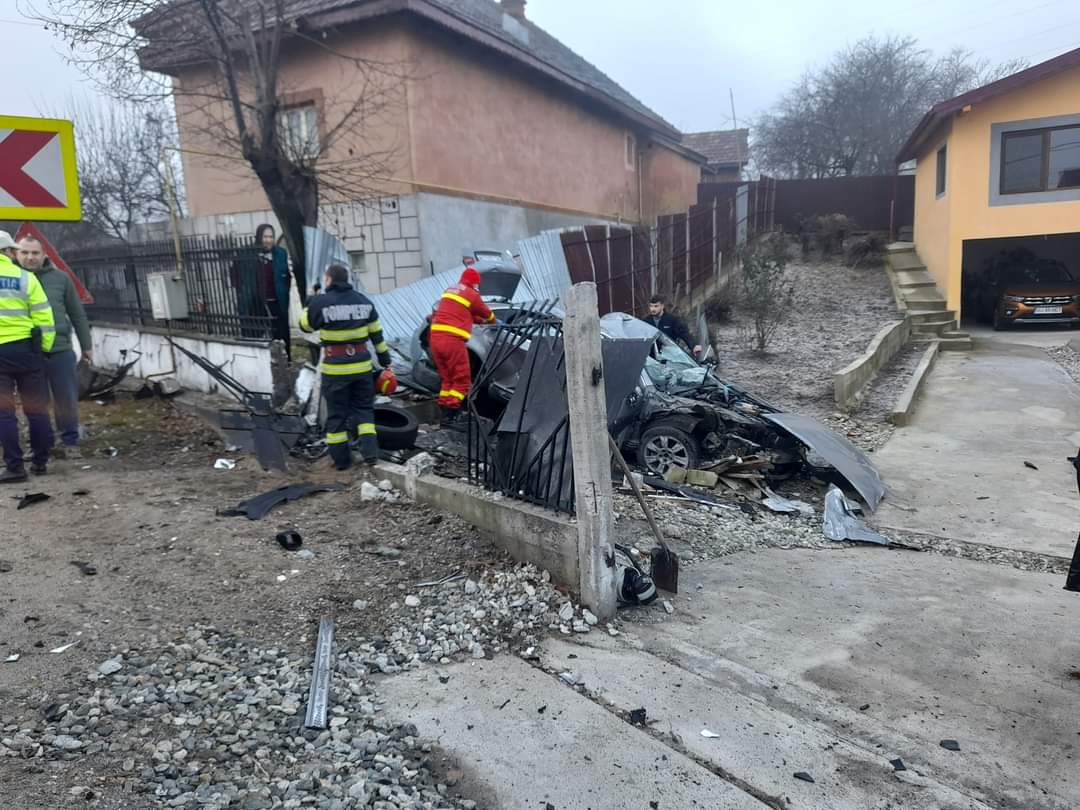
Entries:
{"x":723,"y":147}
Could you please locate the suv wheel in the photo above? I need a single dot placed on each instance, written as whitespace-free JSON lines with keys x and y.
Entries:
{"x":665,"y":446}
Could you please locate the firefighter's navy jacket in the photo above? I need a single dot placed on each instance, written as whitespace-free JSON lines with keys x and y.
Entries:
{"x":346,"y":320}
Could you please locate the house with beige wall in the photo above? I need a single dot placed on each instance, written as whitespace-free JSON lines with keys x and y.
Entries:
{"x":998,"y":168}
{"x":502,"y":132}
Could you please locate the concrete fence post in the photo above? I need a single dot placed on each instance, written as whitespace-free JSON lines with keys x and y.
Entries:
{"x":589,"y":442}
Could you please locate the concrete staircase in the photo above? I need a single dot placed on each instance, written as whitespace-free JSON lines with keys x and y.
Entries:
{"x":917,"y":294}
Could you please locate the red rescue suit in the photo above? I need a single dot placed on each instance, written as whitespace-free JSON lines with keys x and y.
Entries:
{"x":451,"y":327}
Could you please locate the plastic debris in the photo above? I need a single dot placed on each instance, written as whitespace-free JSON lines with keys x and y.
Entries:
{"x":87,"y":569}
{"x":637,"y":717}
{"x":30,"y":498}
{"x":259,"y":506}
{"x":1030,"y":466}
{"x":63,"y":648}
{"x":898,"y":764}
{"x":843,"y":521}
{"x":950,"y":745}
{"x":225,"y":464}
{"x":289,"y":540}
{"x":11,"y":659}
{"x":709,"y":735}
{"x":804,"y":776}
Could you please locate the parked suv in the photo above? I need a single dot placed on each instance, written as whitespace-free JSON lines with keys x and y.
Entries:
{"x":1021,"y":288}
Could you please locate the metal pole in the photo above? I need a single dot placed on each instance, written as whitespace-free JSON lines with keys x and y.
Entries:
{"x":589,"y":442}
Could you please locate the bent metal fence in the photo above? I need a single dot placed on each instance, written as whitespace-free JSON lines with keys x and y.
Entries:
{"x":227,"y":292}
{"x":518,"y":417}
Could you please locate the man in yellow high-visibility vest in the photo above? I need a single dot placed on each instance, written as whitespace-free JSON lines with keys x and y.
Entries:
{"x":26,"y":331}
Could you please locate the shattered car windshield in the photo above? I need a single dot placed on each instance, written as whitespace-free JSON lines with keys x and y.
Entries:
{"x":668,"y":366}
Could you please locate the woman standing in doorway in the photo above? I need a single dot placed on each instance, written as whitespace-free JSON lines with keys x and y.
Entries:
{"x":273,"y":284}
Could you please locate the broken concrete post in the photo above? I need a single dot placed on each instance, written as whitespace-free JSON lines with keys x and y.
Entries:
{"x":589,"y":441}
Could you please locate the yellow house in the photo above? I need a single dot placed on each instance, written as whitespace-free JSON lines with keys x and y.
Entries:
{"x":998,"y":168}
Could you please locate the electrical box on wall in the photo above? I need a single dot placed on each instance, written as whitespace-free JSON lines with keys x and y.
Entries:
{"x":168,"y":296}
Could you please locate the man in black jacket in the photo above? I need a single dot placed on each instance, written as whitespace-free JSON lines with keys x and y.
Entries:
{"x":347,"y":320}
{"x":670,"y":325}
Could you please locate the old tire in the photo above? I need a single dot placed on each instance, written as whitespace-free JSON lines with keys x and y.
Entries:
{"x":664,"y":446}
{"x":396,"y":428}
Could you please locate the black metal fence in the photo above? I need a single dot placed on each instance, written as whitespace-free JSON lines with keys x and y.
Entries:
{"x":227,"y":288}
{"x":518,"y":418}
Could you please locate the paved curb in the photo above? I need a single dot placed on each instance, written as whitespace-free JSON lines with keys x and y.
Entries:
{"x":905,"y":403}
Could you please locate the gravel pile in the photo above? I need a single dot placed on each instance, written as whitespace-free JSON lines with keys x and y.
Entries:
{"x":213,"y":722}
{"x":1068,"y":358}
{"x":881,"y":395}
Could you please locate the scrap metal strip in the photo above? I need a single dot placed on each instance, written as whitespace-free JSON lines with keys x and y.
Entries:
{"x":319,"y":694}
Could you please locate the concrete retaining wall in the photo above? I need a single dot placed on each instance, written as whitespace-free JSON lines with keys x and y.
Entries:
{"x":527,"y":533}
{"x":247,"y":361}
{"x":905,"y":404}
{"x":849,"y":383}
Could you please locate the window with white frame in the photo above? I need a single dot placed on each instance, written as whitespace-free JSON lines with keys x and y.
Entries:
{"x":300,"y":131}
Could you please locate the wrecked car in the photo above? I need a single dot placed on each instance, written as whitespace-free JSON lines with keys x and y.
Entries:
{"x":677,"y":413}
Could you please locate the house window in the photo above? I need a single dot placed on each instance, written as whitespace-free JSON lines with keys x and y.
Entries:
{"x":1040,"y":160}
{"x":941,"y":170}
{"x":358,"y":261}
{"x":631,"y":152}
{"x":300,"y":131}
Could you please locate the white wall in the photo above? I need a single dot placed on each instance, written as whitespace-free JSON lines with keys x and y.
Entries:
{"x":247,"y":362}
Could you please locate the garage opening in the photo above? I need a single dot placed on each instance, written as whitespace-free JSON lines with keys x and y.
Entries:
{"x":1022,"y":281}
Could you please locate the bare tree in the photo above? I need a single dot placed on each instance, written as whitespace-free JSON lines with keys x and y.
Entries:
{"x":127,"y":161}
{"x":225,"y":58}
{"x":852,"y":116}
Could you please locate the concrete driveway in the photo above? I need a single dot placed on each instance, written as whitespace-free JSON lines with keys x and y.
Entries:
{"x":958,"y":470}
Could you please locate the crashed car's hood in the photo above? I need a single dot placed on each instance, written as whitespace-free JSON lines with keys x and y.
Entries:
{"x":846,"y":458}
{"x":621,"y":326}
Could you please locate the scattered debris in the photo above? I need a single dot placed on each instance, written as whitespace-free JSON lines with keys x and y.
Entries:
{"x":11,"y":659}
{"x":383,"y":551}
{"x":64,"y":648}
{"x":709,"y":735}
{"x":668,"y":607}
{"x":637,"y":717}
{"x":782,"y":505}
{"x":79,"y":493}
{"x":1030,"y":466}
{"x":383,"y":491}
{"x":664,"y":569}
{"x":6,"y":566}
{"x":225,"y":464}
{"x":289,"y":540}
{"x":258,"y":507}
{"x":319,"y":694}
{"x":412,"y":601}
{"x":305,"y":554}
{"x":950,"y":745}
{"x":804,"y":776}
{"x":30,"y":498}
{"x":898,"y":764}
{"x":842,"y":521}
{"x":570,"y":678}
{"x":87,"y":569}
{"x":109,"y":452}
{"x":444,"y":581}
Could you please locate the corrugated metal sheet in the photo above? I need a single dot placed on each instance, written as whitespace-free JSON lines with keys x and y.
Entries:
{"x":543,"y":264}
{"x":401,"y":311}
{"x":322,"y":249}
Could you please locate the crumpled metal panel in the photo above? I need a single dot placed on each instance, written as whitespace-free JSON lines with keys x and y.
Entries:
{"x":322,"y":249}
{"x":546,"y":276}
{"x":621,"y":326}
{"x":846,"y":458}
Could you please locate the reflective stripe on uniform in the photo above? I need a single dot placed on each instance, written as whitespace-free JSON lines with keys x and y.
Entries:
{"x":40,"y":307}
{"x":337,"y":438}
{"x":453,"y":330}
{"x":375,"y":326}
{"x":460,"y":299}
{"x":341,"y":369}
{"x":381,"y":347}
{"x":5,"y":312}
{"x":365,"y":429}
{"x":305,"y":323}
{"x":450,"y":392}
{"x":45,"y":330}
{"x":360,"y":333}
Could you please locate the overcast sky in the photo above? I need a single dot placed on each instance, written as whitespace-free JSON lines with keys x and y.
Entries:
{"x":678,"y":56}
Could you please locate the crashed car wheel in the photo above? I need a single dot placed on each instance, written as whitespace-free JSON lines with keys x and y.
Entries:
{"x":664,"y":446}
{"x":396,"y":428}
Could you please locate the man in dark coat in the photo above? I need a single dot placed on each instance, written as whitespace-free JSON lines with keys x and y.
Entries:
{"x":671,"y":326}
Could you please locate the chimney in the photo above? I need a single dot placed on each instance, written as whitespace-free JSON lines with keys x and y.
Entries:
{"x":515,"y":8}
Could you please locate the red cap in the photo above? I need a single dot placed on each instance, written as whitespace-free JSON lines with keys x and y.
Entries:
{"x":470,"y":277}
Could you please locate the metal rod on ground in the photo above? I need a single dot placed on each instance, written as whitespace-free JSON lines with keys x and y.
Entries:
{"x":588,"y":439}
{"x":319,"y":694}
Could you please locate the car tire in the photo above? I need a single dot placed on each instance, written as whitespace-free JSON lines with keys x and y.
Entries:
{"x":664,"y":446}
{"x":395,"y":428}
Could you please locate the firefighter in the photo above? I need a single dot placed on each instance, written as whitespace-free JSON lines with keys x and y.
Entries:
{"x":451,"y":327}
{"x":26,"y":331}
{"x":347,"y":320}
